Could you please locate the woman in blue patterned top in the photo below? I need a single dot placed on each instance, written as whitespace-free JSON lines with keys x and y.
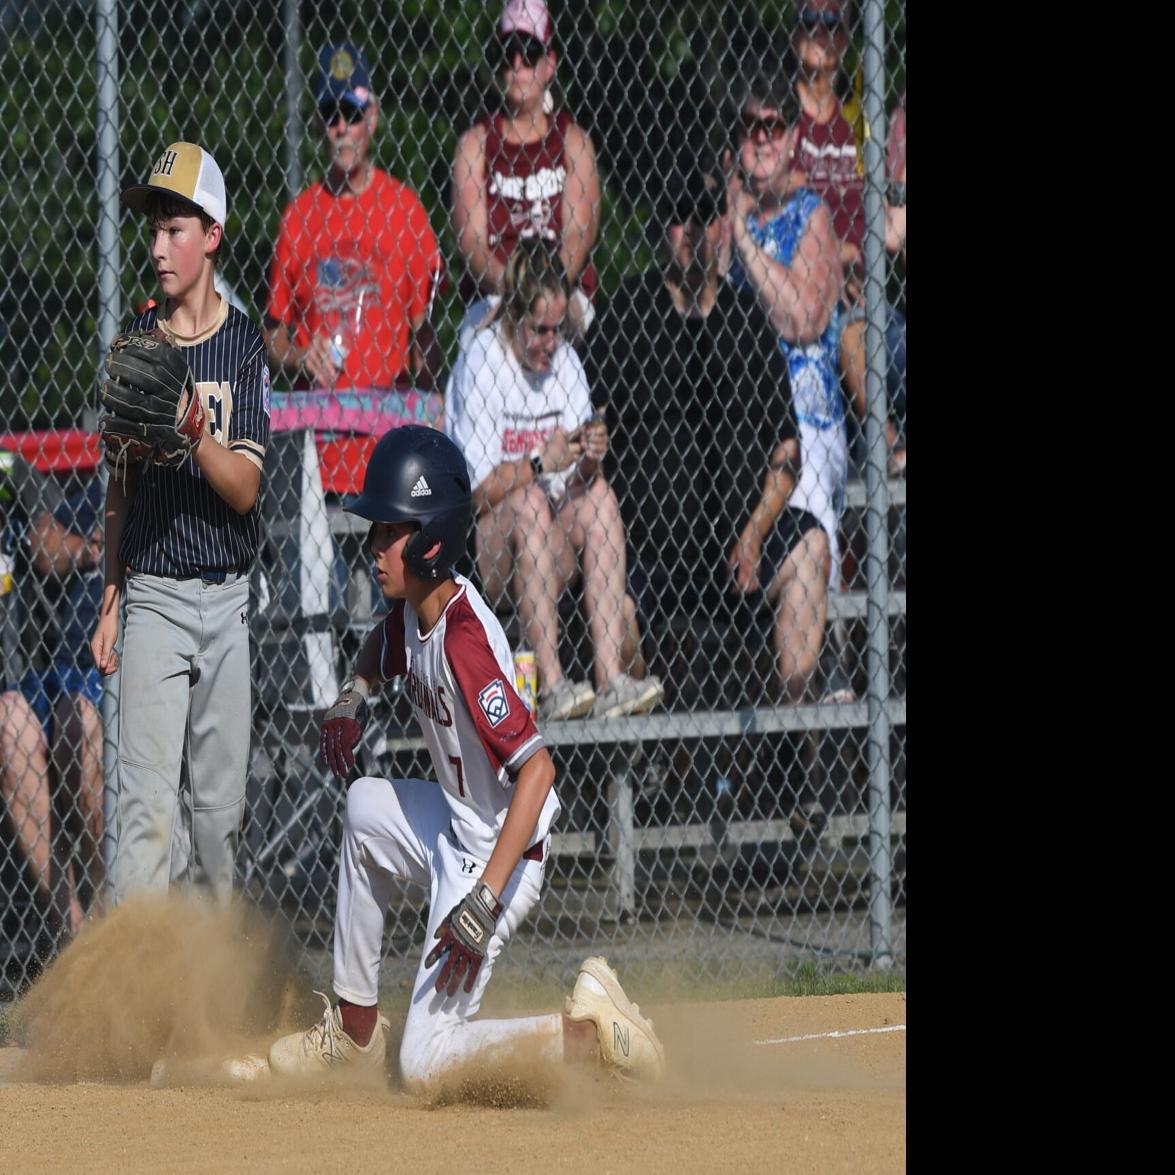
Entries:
{"x":784,"y":248}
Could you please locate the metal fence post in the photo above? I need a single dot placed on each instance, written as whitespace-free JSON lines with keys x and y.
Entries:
{"x":621,"y":835}
{"x":877,"y":493}
{"x":109,"y":314}
{"x":293,"y":77}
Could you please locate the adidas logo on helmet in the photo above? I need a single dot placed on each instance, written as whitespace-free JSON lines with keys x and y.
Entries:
{"x":420,"y":489}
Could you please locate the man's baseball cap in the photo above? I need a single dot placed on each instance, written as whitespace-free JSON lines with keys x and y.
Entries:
{"x":189,"y":172}
{"x":528,"y":17}
{"x":343,"y":76}
{"x":693,"y":191}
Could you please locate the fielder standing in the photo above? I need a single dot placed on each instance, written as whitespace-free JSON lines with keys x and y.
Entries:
{"x":478,"y":838}
{"x":181,"y":534}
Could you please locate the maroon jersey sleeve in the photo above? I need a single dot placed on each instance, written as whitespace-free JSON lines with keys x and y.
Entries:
{"x":504,"y":724}
{"x":393,"y":660}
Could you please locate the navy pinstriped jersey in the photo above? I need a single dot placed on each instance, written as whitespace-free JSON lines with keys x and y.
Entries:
{"x":178,"y":525}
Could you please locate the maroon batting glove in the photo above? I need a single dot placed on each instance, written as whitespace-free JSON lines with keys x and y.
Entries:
{"x":464,"y":937}
{"x":342,"y":728}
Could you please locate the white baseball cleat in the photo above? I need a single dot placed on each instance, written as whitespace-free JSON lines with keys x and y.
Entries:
{"x":320,"y":1048}
{"x":628,"y":1045}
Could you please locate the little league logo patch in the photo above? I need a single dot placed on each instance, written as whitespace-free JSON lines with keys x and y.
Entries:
{"x":494,"y":703}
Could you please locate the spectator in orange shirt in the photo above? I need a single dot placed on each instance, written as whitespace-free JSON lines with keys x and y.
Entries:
{"x":356,"y":261}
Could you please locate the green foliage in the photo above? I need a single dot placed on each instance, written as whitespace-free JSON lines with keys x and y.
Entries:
{"x":644,"y":76}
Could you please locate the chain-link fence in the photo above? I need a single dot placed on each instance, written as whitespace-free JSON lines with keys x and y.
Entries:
{"x":724,"y":187}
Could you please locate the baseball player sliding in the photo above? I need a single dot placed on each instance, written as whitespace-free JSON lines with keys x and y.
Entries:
{"x":477,"y":839}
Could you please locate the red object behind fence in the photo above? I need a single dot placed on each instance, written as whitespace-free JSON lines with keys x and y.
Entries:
{"x":56,"y":450}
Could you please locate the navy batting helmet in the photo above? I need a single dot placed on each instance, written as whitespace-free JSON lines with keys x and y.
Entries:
{"x":417,"y":474}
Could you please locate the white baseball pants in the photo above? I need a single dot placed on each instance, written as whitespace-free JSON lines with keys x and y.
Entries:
{"x":401,"y":829}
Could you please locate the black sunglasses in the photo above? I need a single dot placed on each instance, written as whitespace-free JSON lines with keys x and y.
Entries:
{"x":531,"y":49}
{"x":812,"y":20}
{"x":749,"y":126}
{"x":331,"y":112}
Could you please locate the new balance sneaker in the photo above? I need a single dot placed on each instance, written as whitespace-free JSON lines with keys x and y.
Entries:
{"x":628,"y":695}
{"x":628,"y":1045}
{"x":566,"y":699}
{"x":320,"y":1048}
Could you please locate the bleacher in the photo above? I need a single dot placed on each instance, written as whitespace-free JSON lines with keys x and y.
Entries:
{"x":609,"y":824}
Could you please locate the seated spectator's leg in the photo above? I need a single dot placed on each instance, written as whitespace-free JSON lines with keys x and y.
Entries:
{"x":24,"y":784}
{"x":590,"y":517}
{"x":515,"y":556}
{"x":632,"y":655}
{"x":895,"y":378}
{"x":852,"y":362}
{"x":799,"y":591}
{"x":77,"y":763}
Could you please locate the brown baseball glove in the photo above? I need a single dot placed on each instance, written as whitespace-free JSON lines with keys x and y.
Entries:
{"x":152,"y":411}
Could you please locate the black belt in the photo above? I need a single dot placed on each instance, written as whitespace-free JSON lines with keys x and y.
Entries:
{"x":207,"y":574}
{"x":213,"y":575}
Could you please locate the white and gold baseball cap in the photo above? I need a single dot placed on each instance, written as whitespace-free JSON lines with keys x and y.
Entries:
{"x":189,"y":172}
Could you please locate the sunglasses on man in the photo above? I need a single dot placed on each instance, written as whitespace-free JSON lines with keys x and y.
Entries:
{"x":530,"y":49}
{"x":331,"y":112}
{"x":830,"y":21}
{"x":750,"y":126}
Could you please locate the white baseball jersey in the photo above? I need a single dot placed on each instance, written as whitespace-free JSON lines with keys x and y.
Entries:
{"x":496,"y":410}
{"x":460,"y":677}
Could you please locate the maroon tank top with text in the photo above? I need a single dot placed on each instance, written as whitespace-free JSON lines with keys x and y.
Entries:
{"x":827,"y":153}
{"x":524,"y":190}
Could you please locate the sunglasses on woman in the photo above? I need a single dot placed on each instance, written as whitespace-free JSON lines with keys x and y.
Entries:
{"x":530,"y":49}
{"x":751,"y":125}
{"x":814,"y":20}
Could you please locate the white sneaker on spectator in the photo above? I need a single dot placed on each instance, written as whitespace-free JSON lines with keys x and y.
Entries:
{"x":566,"y":699}
{"x":628,"y":695}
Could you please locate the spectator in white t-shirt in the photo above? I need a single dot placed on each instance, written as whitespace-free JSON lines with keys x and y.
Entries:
{"x":517,"y":405}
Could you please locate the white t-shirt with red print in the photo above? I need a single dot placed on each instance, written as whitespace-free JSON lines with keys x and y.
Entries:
{"x":479,"y":732}
{"x":496,"y":410}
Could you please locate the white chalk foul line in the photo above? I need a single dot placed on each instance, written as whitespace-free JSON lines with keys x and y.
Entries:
{"x":827,"y":1035}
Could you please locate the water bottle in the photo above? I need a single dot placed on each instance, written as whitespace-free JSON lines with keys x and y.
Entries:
{"x":344,"y":335}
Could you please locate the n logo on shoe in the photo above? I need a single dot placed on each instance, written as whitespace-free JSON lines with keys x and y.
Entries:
{"x":619,"y":1037}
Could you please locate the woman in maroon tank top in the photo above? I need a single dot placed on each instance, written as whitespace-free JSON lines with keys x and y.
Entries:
{"x":524,"y":172}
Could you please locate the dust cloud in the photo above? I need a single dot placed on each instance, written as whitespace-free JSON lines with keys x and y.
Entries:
{"x":178,"y":978}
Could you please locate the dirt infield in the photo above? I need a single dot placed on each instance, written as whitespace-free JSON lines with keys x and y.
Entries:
{"x":196,"y":985}
{"x":830,"y":1104}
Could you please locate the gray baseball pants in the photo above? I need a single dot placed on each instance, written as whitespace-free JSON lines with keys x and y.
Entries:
{"x":185,"y":699}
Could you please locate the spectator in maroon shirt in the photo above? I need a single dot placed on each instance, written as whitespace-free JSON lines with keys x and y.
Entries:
{"x":525,"y":171}
{"x":827,"y":156}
